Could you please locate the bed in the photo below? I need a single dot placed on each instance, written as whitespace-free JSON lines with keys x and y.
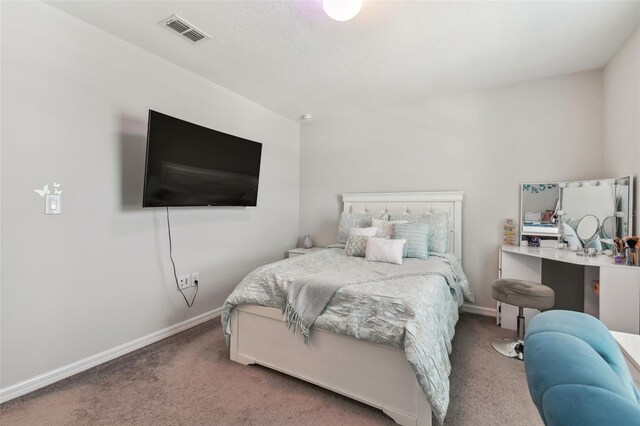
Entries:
{"x":347,"y":359}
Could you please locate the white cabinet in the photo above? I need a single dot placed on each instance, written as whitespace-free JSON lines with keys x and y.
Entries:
{"x":618,"y":306}
{"x":620,"y":299}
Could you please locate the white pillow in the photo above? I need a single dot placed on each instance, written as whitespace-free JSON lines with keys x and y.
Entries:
{"x":385,"y":227}
{"x":367,"y":232}
{"x":384,"y":250}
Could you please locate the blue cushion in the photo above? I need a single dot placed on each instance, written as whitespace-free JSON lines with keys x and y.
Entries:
{"x":438,"y":228}
{"x":417,"y":236}
{"x":588,"y":406}
{"x":576,"y":372}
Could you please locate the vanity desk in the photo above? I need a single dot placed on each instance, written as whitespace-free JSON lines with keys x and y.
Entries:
{"x":572,"y":278}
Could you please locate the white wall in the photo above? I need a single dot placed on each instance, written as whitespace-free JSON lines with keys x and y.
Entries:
{"x":483,"y":143}
{"x":74,"y":110}
{"x":622,"y":115}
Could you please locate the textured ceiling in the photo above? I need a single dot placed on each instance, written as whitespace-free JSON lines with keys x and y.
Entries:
{"x":291,"y":58}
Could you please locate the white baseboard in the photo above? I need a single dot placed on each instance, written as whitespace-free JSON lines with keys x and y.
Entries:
{"x":480,"y":310}
{"x":50,"y":377}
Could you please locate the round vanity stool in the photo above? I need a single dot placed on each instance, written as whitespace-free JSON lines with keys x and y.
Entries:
{"x":523,"y":294}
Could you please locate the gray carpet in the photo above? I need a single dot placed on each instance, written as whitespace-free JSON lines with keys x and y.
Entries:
{"x":188,"y":380}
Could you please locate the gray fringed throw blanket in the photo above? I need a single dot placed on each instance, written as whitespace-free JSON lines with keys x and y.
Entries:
{"x":308,"y":295}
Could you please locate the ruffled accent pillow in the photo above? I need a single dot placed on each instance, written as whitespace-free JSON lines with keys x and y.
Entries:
{"x":356,"y":245}
{"x":385,"y":227}
{"x":439,"y":224}
{"x":417,"y":239}
{"x":355,"y":220}
{"x":384,"y":250}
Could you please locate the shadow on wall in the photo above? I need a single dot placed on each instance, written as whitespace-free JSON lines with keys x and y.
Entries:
{"x":133,"y":148}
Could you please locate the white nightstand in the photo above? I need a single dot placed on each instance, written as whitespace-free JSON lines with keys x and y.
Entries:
{"x":302,"y":251}
{"x":630,"y":345}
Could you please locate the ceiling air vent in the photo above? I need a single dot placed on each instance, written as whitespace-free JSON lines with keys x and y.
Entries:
{"x":185,"y":29}
{"x":193,"y":35}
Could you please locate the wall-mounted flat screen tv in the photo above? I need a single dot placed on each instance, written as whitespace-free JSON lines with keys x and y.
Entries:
{"x":191,"y":165}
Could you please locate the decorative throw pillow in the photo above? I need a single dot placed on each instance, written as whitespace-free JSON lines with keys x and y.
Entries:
{"x":439,"y":224}
{"x":384,"y":250}
{"x":368,"y":232}
{"x":439,"y":228}
{"x":355,"y":220}
{"x":351,"y":220}
{"x":356,"y":245}
{"x":417,"y":239}
{"x":385,"y":227}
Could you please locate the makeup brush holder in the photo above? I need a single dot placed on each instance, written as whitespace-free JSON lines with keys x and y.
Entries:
{"x":631,"y":257}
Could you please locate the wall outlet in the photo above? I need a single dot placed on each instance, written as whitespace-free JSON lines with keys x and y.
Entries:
{"x":184,"y":282}
{"x":195,"y":279}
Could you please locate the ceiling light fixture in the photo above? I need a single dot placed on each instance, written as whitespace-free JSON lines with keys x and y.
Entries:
{"x":342,"y":10}
{"x":306,"y":117}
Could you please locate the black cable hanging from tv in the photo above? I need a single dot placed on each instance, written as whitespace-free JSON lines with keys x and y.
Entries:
{"x":175,"y":274}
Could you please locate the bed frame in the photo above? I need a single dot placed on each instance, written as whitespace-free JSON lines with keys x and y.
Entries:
{"x":373,"y":374}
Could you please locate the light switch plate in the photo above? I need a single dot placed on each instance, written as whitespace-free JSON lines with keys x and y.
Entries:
{"x":53,"y":204}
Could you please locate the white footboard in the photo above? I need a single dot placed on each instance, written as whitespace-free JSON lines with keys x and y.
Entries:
{"x":374,"y":374}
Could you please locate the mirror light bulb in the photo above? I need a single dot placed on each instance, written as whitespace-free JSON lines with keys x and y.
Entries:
{"x":341,"y":10}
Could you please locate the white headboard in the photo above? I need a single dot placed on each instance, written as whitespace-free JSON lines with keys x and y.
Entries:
{"x":413,"y":202}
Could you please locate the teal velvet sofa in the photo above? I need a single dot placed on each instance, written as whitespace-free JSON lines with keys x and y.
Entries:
{"x":576,"y":372}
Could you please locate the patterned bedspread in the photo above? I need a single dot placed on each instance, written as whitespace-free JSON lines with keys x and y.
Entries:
{"x":416,"y":313}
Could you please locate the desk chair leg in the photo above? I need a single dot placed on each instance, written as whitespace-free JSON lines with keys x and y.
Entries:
{"x":513,"y":348}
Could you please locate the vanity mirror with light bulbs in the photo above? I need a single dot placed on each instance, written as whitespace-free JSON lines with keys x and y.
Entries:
{"x":585,"y":216}
{"x":579,"y":223}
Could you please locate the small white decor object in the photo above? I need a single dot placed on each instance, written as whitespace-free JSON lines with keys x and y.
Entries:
{"x":44,"y":191}
{"x":307,"y":243}
{"x":56,"y":188}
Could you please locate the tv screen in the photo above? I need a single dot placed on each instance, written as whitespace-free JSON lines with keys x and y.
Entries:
{"x":191,"y":165}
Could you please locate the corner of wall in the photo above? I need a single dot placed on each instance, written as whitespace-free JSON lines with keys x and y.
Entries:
{"x":621,"y":82}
